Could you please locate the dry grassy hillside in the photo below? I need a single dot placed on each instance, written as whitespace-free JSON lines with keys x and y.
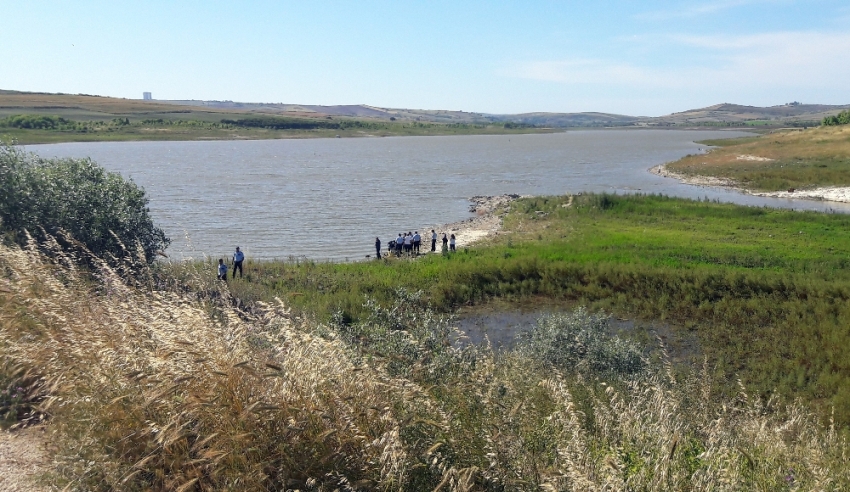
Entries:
{"x":777,"y":161}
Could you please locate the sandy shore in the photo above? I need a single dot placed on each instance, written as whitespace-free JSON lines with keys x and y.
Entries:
{"x":487,"y":222}
{"x":829,"y":194}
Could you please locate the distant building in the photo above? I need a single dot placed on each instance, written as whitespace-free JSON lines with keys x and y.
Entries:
{"x":147,"y":96}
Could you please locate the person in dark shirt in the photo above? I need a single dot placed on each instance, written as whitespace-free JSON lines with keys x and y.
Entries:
{"x":378,"y":248}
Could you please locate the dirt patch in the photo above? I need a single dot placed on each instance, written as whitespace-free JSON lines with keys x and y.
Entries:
{"x":663,"y":171}
{"x":23,"y":458}
{"x":747,"y":157}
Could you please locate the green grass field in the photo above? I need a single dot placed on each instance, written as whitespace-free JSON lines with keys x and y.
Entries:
{"x":764,"y":291}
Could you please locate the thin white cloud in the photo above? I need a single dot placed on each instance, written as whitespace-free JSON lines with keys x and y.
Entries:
{"x":783,"y":59}
{"x":690,"y":10}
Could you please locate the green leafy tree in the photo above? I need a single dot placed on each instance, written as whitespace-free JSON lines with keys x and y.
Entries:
{"x":100,"y":209}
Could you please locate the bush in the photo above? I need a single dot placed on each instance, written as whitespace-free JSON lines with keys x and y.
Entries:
{"x":36,"y":122}
{"x":842,"y":118}
{"x":274,"y":123}
{"x":101,"y":210}
{"x":579,"y":341}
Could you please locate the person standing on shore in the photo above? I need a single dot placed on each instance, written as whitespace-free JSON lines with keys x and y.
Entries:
{"x":378,"y":247}
{"x":408,"y":243}
{"x":452,"y":243}
{"x":238,"y":258}
{"x":222,"y":270}
{"x":445,"y":244}
{"x":399,"y":243}
{"x":417,"y":240}
{"x":433,"y":241}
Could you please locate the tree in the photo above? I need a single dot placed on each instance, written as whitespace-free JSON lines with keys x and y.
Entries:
{"x":100,"y":209}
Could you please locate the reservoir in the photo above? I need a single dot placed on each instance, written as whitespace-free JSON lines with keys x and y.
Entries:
{"x":327,"y":199}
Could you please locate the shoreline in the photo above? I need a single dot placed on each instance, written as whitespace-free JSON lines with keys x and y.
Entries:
{"x":487,"y":222}
{"x":838,"y":194}
{"x":20,"y":138}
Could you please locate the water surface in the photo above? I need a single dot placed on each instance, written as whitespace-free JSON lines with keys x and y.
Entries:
{"x":330,"y":198}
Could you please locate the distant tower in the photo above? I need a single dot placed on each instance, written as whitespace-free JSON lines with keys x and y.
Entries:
{"x":146,"y":96}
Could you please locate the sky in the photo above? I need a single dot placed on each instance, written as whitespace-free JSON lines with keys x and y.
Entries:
{"x":641,"y":58}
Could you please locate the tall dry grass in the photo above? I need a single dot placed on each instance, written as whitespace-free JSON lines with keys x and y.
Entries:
{"x":147,"y":388}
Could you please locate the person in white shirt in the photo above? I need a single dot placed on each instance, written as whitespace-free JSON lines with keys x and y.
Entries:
{"x":238,"y":258}
{"x":417,"y":240}
{"x":408,"y":243}
{"x":452,"y":243}
{"x":399,"y":243}
{"x":433,"y":241}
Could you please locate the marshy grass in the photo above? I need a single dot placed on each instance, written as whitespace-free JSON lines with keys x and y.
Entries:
{"x":764,"y":292}
{"x":151,"y":386}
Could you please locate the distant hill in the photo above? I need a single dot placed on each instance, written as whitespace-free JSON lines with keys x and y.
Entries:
{"x":82,"y":106}
{"x":736,"y":113}
{"x":720,"y":113}
{"x":569,"y":119}
{"x":435,"y":116}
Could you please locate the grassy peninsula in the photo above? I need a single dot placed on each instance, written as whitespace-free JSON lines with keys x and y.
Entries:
{"x":778,"y":161}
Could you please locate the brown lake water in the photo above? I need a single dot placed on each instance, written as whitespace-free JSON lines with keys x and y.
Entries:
{"x":329,"y":198}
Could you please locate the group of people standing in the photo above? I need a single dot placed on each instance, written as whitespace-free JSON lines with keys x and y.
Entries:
{"x":409,"y":244}
{"x":406,"y":244}
{"x":238,"y":258}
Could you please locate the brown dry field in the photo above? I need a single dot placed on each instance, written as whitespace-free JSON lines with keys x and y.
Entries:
{"x":27,"y":102}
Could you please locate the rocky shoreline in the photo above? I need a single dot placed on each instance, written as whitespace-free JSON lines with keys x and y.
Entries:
{"x":487,"y":222}
{"x":830,"y":193}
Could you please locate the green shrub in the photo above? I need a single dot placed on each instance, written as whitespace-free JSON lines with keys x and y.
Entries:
{"x":842,"y":118}
{"x":580,"y":341}
{"x":275,"y":123}
{"x":101,"y":210}
{"x":36,"y":122}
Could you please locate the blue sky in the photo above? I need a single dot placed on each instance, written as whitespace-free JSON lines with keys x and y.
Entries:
{"x":640,"y":58}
